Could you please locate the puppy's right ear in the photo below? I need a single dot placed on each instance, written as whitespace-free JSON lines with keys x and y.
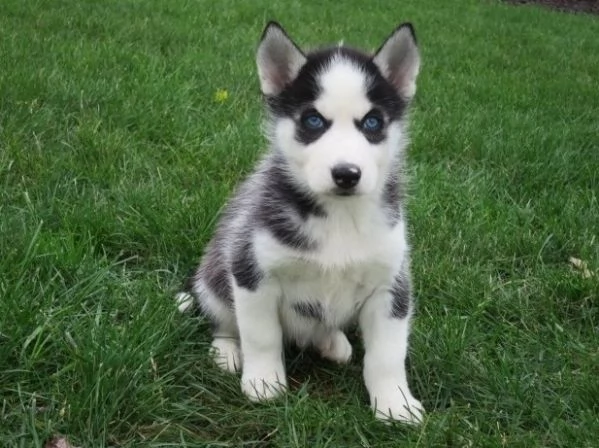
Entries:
{"x":279,"y":60}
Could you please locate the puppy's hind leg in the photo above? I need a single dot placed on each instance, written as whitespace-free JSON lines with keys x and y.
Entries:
{"x":225,"y":347}
{"x":333,"y":345}
{"x":225,"y":343}
{"x":219,"y":310}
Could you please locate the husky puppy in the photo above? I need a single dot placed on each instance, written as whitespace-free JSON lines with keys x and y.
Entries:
{"x":315,"y":239}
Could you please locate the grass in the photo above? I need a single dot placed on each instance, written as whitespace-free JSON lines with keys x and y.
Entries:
{"x":115,"y":158}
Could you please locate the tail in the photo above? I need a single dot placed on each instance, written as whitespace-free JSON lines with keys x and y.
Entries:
{"x":185,"y":301}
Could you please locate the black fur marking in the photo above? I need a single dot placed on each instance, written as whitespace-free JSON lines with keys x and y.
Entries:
{"x":218,"y":280}
{"x":384,"y":95}
{"x":283,"y":188}
{"x":304,"y":134}
{"x":300,"y":93}
{"x":375,"y":137}
{"x":289,"y":233}
{"x":372,"y":136}
{"x":286,"y":206}
{"x":309,"y":310}
{"x":304,"y":90}
{"x":245,"y":267}
{"x":214,"y":272}
{"x":401,"y":296}
{"x":393,"y":198}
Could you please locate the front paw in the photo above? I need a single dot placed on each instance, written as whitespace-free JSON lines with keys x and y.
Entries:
{"x":397,"y":405}
{"x":264,"y":383}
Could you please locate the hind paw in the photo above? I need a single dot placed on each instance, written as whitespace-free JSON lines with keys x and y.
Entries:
{"x":335,"y":347}
{"x":226,"y":354}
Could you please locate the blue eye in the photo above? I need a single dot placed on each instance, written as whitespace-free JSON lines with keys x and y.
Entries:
{"x":372,"y":124}
{"x":313,"y":121}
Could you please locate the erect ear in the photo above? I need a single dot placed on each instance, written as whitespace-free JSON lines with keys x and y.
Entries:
{"x":398,"y":60}
{"x":279,"y":59}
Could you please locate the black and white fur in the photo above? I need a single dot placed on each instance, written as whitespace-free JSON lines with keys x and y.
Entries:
{"x":315,"y":239}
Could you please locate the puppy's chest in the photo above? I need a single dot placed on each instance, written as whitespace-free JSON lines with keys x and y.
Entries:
{"x":347,"y":265}
{"x":345,"y":241}
{"x":332,"y":297}
{"x":332,"y":282}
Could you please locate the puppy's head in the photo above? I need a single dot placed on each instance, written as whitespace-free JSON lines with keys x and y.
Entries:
{"x":338,"y":114}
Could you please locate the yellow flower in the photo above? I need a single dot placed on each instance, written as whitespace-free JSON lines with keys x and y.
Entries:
{"x":221,"y":95}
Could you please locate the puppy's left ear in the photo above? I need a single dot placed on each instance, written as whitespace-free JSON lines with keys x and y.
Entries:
{"x":279,"y":59}
{"x":398,"y":59}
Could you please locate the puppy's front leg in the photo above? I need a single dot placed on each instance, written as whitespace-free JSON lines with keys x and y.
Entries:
{"x":261,"y":338}
{"x":385,"y":322}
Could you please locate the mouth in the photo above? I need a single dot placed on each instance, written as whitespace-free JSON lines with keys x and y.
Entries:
{"x":345,"y":192}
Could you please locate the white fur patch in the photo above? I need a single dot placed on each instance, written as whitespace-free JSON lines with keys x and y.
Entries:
{"x":344,"y":87}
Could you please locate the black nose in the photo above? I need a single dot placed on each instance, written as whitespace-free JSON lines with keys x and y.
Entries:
{"x":346,"y":175}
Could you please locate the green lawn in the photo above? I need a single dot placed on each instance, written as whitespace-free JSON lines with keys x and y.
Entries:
{"x":116,"y":156}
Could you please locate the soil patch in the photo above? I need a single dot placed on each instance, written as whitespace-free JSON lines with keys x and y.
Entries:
{"x":577,"y":6}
